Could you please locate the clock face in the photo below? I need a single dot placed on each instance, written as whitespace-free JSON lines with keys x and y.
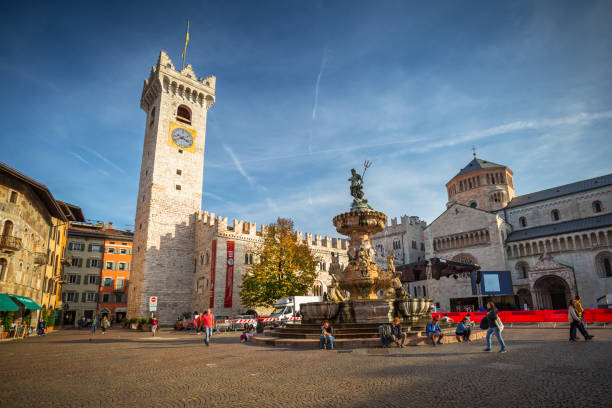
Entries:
{"x":182,"y":138}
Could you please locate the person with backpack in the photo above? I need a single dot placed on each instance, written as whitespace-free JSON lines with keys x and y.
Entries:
{"x":494,"y":326}
{"x":463,"y":331}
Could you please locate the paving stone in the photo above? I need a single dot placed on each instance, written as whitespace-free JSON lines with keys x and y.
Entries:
{"x":127,"y":368}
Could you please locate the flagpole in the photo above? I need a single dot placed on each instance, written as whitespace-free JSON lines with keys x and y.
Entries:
{"x":185,"y":46}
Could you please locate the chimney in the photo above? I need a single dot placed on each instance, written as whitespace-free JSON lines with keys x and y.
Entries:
{"x":110,"y":225}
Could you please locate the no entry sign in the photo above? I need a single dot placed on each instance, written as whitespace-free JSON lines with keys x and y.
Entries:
{"x":153,"y":304}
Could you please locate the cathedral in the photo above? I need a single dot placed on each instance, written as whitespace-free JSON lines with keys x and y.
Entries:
{"x":535,"y":250}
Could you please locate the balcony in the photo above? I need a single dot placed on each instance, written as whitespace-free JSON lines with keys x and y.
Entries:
{"x":119,"y":289}
{"x":10,"y":244}
{"x":40,"y":258}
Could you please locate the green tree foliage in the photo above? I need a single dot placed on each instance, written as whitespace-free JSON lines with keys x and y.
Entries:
{"x":283,"y":267}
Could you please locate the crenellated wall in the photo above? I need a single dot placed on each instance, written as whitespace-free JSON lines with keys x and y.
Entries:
{"x":246,"y":237}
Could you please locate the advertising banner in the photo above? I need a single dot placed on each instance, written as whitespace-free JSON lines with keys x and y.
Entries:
{"x":213,"y":264}
{"x":229,"y":276}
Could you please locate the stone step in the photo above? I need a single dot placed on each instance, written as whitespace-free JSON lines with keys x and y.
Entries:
{"x":418,"y":339}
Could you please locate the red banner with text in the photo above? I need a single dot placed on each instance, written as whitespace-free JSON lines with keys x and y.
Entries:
{"x":213,"y":264}
{"x":229,"y":276}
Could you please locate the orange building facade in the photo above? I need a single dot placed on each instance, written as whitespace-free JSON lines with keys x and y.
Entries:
{"x":115,"y":275}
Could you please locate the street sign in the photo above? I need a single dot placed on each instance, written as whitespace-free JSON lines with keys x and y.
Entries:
{"x":153,"y":304}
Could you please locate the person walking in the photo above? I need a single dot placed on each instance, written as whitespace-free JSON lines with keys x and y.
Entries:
{"x":495,"y":327}
{"x":94,"y":325}
{"x":196,"y":321}
{"x":580,"y":313}
{"x":208,"y":321}
{"x":154,"y":325}
{"x":105,"y":324}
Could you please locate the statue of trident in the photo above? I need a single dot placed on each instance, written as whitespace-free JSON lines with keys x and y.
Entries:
{"x":366,"y":165}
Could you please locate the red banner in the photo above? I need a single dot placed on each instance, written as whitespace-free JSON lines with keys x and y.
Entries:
{"x":534,"y":316}
{"x":229,"y":276}
{"x":213,"y":264}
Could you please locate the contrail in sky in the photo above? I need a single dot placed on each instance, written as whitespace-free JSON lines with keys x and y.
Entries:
{"x":316,"y":95}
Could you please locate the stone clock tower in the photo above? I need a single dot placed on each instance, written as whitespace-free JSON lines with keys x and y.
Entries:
{"x":170,"y":190}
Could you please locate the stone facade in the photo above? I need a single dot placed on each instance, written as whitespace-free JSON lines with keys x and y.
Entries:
{"x":82,"y":273}
{"x":555,"y":242}
{"x":212,"y":236}
{"x":170,"y":189}
{"x":405,"y":239}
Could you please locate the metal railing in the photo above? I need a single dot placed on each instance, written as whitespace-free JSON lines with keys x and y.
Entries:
{"x":10,"y":243}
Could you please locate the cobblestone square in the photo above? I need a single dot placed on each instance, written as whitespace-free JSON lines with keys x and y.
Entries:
{"x":129,"y":369}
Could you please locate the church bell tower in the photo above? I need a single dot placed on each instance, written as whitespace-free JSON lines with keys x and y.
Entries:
{"x":176,"y":103}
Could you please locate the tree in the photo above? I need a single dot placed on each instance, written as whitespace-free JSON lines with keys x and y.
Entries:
{"x":284,"y":267}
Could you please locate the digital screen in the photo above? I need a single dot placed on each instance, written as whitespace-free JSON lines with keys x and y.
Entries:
{"x":491,"y":283}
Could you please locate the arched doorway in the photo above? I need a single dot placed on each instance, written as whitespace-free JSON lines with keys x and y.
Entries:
{"x":7,"y":229}
{"x":524,"y":298}
{"x":551,"y":292}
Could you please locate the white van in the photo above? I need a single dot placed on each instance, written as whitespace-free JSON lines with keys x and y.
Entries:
{"x":286,"y":307}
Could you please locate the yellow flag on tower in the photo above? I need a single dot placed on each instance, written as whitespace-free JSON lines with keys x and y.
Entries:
{"x":185,"y":46}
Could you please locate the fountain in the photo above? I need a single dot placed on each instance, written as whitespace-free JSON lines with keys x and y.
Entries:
{"x":362,"y":278}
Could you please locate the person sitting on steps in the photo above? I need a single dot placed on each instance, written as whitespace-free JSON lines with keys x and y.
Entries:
{"x":463,"y":331}
{"x":434,"y":331}
{"x":327,"y":336}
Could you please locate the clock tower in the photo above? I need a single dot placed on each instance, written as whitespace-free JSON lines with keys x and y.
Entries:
{"x":176,"y":103}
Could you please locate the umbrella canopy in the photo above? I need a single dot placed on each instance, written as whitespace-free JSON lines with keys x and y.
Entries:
{"x":27,"y":302}
{"x":7,"y":304}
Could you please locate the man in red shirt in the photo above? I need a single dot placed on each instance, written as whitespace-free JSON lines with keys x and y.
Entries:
{"x":208,"y":320}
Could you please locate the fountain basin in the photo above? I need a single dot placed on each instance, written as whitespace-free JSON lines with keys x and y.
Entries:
{"x":372,"y":310}
{"x":316,"y":312}
{"x":414,"y":308}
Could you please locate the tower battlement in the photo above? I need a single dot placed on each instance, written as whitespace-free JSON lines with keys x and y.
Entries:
{"x":183,"y":82}
{"x":245,"y":229}
{"x":406,"y":220}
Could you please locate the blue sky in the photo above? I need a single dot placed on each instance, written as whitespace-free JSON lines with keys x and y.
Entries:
{"x":307,"y":90}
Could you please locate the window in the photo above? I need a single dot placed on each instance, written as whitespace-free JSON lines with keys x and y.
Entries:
{"x":473,"y":204}
{"x":92,"y":279}
{"x":522,"y":269}
{"x":3,"y":269}
{"x":95,"y":248}
{"x":78,"y":246}
{"x":317,"y":289}
{"x":183,"y":114}
{"x":207,"y":258}
{"x":415,"y":291}
{"x":109,"y":265}
{"x":71,"y":296}
{"x":108,"y":281}
{"x":179,"y":172}
{"x":248,"y":259}
{"x":152,"y":117}
{"x":180,"y":151}
{"x":105,"y":298}
{"x":425,"y":292}
{"x":178,"y":186}
{"x":414,"y":245}
{"x":323,"y":267}
{"x":91,"y":297}
{"x":397,"y":244}
{"x":78,"y":262}
{"x":554,"y":214}
{"x":74,"y":279}
{"x":110,"y":250}
{"x":422,"y":246}
{"x":522,"y":222}
{"x":597,"y":207}
{"x":94,"y":263}
{"x":123,"y":251}
{"x":603,"y":263}
{"x":122,"y":266}
{"x":120,"y":283}
{"x":13,"y":197}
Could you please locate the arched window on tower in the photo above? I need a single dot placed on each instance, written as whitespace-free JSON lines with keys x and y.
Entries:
{"x":317,"y":289}
{"x":554,"y":214}
{"x":522,"y":221}
{"x":474,"y":204}
{"x":597,"y":207}
{"x":603,"y":263}
{"x":183,"y":114}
